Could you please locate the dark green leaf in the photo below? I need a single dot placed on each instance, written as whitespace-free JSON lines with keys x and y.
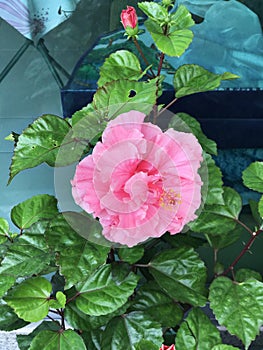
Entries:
{"x":24,"y":341}
{"x":66,"y":340}
{"x":224,"y":239}
{"x":78,"y":320}
{"x":174,"y":43}
{"x":76,"y":257}
{"x":105,"y":291}
{"x":182,"y":274}
{"x":26,"y":256}
{"x":191,"y":78}
{"x":238,"y":307}
{"x":39,"y":143}
{"x":184,"y":122}
{"x":30,"y":299}
{"x":123,"y":333}
{"x":131,"y":255}
{"x":150,"y":298}
{"x":92,"y":339}
{"x":6,"y":282}
{"x":244,"y":274}
{"x":9,"y":320}
{"x":121,"y":64}
{"x":197,"y":332}
{"x":253,"y":176}
{"x":224,"y":347}
{"x":255,"y":210}
{"x":260,"y":207}
{"x":214,"y":189}
{"x":219,"y":219}
{"x":42,"y":206}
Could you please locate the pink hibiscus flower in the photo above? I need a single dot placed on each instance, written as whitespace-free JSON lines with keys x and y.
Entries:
{"x":139,"y":181}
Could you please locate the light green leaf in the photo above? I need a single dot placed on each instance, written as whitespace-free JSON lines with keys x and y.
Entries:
{"x":238,"y":307}
{"x":146,"y":344}
{"x":30,"y":299}
{"x":121,"y":64}
{"x":219,"y":219}
{"x":214,"y":189}
{"x":154,"y":11}
{"x":182,"y":274}
{"x":150,"y":298}
{"x":105,"y":291}
{"x":181,"y":19}
{"x":244,"y":274}
{"x":122,"y":333}
{"x":224,"y":347}
{"x":191,"y":78}
{"x":253,"y":176}
{"x":42,"y":206}
{"x":197,"y":332}
{"x":39,"y":143}
{"x":124,"y":95}
{"x":76,"y":256}
{"x":29,"y":255}
{"x":182,"y":121}
{"x":59,"y":302}
{"x":174,"y":43}
{"x":9,"y":321}
{"x":6,"y":282}
{"x":131,"y":255}
{"x":4,"y":228}
{"x":66,"y":340}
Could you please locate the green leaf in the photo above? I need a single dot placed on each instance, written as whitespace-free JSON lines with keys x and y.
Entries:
{"x":253,"y":176}
{"x":224,"y":347}
{"x":238,"y":307}
{"x":182,"y":274}
{"x":24,"y":341}
{"x":174,"y":43}
{"x":260,"y":207}
{"x":224,"y":239}
{"x":124,"y":95}
{"x":197,"y":332}
{"x":39,"y":143}
{"x":131,"y":255}
{"x":4,"y":230}
{"x":214,"y":189}
{"x":191,"y":78}
{"x":59,"y":302}
{"x":183,"y":121}
{"x":105,"y":291}
{"x":244,"y":274}
{"x":217,"y":218}
{"x":9,"y":320}
{"x":182,"y":18}
{"x":121,"y":64}
{"x":30,"y":299}
{"x":42,"y":206}
{"x":92,"y":339}
{"x":76,"y":256}
{"x":154,"y":11}
{"x":29,"y":255}
{"x":66,"y":340}
{"x":6,"y":282}
{"x":79,"y":320}
{"x":146,"y":344}
{"x":123,"y":333}
{"x":150,"y":298}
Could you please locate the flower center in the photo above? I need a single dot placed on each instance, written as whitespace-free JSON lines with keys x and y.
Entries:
{"x":169,"y":199}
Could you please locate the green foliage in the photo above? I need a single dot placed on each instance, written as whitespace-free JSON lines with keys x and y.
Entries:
{"x":59,"y":266}
{"x":238,"y":307}
{"x":197,"y":332}
{"x":191,"y":78}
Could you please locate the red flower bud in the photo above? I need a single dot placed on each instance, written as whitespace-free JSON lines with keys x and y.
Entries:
{"x":129,"y":17}
{"x":168,"y":347}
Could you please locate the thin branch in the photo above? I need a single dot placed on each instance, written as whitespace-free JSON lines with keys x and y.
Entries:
{"x":245,"y":226}
{"x":143,"y":56}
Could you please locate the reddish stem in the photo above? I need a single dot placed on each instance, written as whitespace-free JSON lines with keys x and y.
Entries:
{"x":244,"y":250}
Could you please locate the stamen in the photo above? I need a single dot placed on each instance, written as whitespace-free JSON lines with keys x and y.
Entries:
{"x":169,"y":199}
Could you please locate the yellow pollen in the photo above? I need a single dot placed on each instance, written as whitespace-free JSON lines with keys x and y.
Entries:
{"x":169,"y":199}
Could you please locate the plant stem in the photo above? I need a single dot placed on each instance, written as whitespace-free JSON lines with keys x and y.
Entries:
{"x":143,"y":56}
{"x":167,"y":106}
{"x":245,"y":226}
{"x":244,"y":250}
{"x":141,"y":265}
{"x":73,"y":298}
{"x":160,"y":64}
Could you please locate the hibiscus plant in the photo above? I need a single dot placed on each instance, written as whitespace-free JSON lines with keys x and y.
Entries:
{"x":120,"y":269}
